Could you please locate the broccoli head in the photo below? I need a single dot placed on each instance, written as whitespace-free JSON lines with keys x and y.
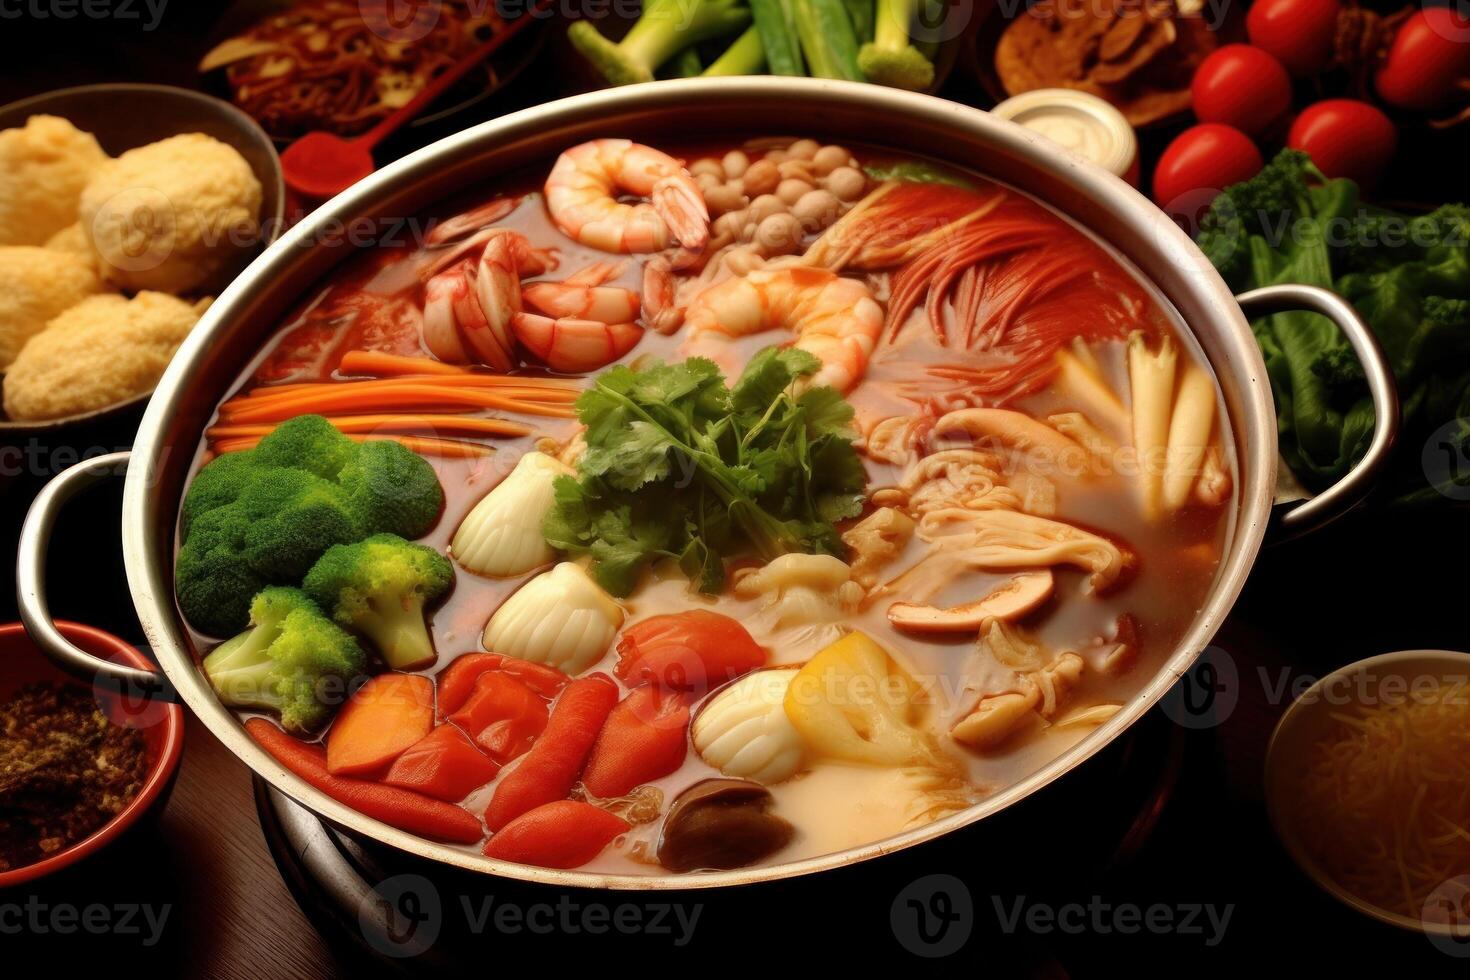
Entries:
{"x":264,"y":516}
{"x":307,"y":442}
{"x":380,"y":587}
{"x":392,"y":489}
{"x":292,"y":660}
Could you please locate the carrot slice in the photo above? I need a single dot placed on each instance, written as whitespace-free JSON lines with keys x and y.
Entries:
{"x":423,"y":445}
{"x":443,"y":764}
{"x":386,"y":715}
{"x":503,"y":715}
{"x":379,"y":363}
{"x":547,"y":772}
{"x":457,"y":682}
{"x":401,"y":808}
{"x":563,"y":834}
{"x":368,"y":424}
{"x":363,"y":398}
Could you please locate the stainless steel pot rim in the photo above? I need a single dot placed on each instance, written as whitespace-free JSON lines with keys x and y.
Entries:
{"x":150,"y":581}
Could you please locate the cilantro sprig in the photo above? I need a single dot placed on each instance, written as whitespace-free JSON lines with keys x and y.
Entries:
{"x":678,"y":465}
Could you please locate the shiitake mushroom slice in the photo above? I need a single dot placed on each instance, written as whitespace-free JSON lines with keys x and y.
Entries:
{"x":719,"y":824}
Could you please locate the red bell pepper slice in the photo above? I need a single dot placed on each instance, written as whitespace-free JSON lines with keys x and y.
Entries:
{"x":687,"y":651}
{"x":443,"y":764}
{"x":646,"y":736}
{"x":457,"y":682}
{"x":561,"y":834}
{"x":549,"y":770}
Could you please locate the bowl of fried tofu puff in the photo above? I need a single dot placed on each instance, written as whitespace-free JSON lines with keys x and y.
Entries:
{"x":124,"y":210}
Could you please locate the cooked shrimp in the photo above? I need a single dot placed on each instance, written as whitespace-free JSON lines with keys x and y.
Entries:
{"x":574,"y":345}
{"x":661,"y":309}
{"x":583,"y":296}
{"x":834,"y":318}
{"x":583,"y":189}
{"x":455,"y":323}
{"x":452,"y":229}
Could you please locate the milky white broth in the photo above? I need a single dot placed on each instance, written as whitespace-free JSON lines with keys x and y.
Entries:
{"x":1177,"y":558}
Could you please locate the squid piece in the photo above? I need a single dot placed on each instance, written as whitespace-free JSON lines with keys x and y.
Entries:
{"x":997,"y":717}
{"x":1189,"y":435}
{"x":744,"y":730}
{"x":877,"y":540}
{"x":1008,"y":428}
{"x":560,"y":618}
{"x":502,"y":534}
{"x":1151,"y":381}
{"x":803,"y":590}
{"x":853,"y":703}
{"x":1010,"y":601}
{"x":999,"y":540}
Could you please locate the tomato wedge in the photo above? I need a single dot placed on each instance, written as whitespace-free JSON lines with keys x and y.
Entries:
{"x":646,"y":736}
{"x":687,"y":651}
{"x":443,"y":764}
{"x":502,"y":715}
{"x":457,"y":681}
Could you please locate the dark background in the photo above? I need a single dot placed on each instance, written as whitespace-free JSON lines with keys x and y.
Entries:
{"x":1172,"y":815}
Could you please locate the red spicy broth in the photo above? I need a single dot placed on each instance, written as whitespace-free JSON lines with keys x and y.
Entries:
{"x":374,"y":303}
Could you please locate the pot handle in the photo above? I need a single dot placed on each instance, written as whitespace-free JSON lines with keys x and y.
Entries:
{"x":30,"y":585}
{"x":1346,"y":493}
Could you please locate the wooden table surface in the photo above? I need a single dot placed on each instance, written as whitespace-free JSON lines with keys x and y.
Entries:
{"x":1362,"y":588}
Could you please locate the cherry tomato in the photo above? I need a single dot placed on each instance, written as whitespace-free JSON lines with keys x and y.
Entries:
{"x":1297,"y":33}
{"x":1345,"y":138}
{"x":1241,"y":86}
{"x":1429,"y":54}
{"x":1200,"y":163}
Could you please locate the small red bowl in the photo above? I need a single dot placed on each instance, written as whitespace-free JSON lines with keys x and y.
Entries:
{"x":162,"y":725}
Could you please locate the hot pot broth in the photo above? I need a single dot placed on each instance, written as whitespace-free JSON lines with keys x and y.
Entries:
{"x":1013,"y":323}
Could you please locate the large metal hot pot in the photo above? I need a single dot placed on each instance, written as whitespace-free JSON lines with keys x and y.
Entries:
{"x":231,"y":333}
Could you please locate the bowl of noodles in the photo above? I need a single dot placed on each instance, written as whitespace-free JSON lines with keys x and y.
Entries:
{"x":1368,"y":787}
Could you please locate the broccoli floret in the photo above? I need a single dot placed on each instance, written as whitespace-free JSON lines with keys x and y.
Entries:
{"x":890,"y":58}
{"x":292,"y":517}
{"x":292,"y":660}
{"x":263,"y":517}
{"x":307,"y":442}
{"x":217,"y":484}
{"x":665,"y":28}
{"x":380,"y":587}
{"x":392,"y":489}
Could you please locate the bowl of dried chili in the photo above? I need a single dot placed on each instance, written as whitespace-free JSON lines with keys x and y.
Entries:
{"x":79,"y":764}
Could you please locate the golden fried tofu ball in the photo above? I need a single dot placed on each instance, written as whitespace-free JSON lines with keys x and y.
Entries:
{"x":73,"y":239}
{"x":43,"y":167}
{"x":104,"y":350}
{"x":35,"y":285}
{"x":168,"y":216}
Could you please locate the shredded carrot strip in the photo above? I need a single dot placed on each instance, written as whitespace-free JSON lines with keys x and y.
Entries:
{"x":375,"y":423}
{"x":452,"y":448}
{"x":525,"y":389}
{"x":380,"y":364}
{"x":363,"y":398}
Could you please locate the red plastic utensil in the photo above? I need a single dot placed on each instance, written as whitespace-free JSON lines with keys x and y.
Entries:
{"x":322,"y":165}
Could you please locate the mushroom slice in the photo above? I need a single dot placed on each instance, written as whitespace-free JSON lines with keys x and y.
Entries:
{"x":1010,"y":601}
